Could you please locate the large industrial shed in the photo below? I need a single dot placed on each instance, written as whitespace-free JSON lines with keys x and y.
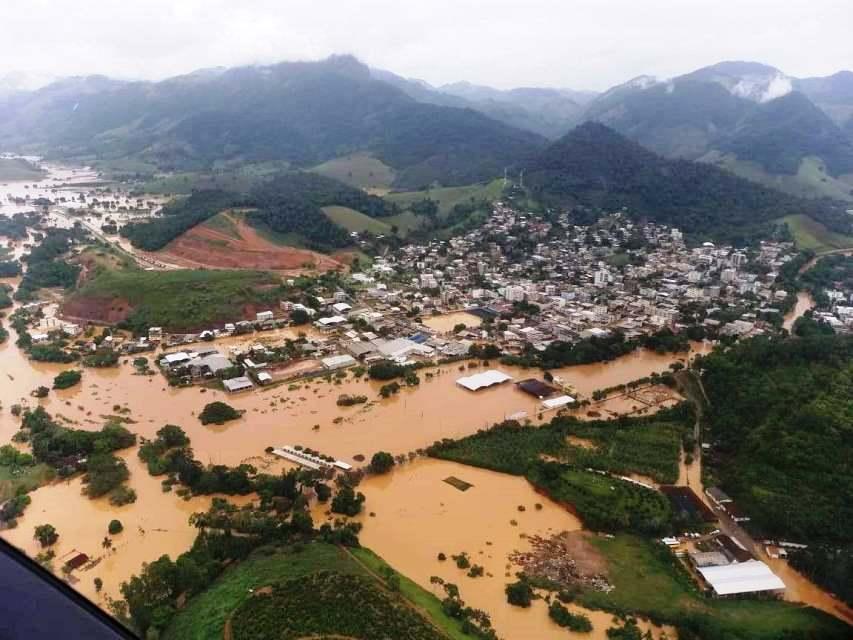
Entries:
{"x":482,"y":380}
{"x":751,"y":577}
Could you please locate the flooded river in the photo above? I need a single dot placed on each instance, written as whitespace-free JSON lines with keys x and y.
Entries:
{"x":804,"y":303}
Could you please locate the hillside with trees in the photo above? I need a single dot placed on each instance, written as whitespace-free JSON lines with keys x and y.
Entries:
{"x":593,"y":166}
{"x":300,"y":112}
{"x":781,"y":428}
{"x":289,"y":203}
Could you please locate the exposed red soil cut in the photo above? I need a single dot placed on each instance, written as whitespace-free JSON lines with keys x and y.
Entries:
{"x":101,"y":310}
{"x":240,"y":247}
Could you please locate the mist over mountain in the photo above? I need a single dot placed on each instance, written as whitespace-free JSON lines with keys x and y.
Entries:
{"x":547,"y":112}
{"x":302,"y":112}
{"x":747,"y":117}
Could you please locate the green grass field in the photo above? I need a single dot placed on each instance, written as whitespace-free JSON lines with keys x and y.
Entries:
{"x":27,"y":477}
{"x":181,"y":300}
{"x":810,"y":234}
{"x":353,"y":220}
{"x":204,"y":616}
{"x":239,"y":179}
{"x":810,"y":181}
{"x":448,"y":197}
{"x":359,"y":170}
{"x":648,"y":582}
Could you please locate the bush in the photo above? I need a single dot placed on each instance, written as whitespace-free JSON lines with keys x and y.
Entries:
{"x":385,"y":370}
{"x":67,"y":379}
{"x":218,"y":413}
{"x":115,"y":527}
{"x":347,"y":501}
{"x":388,"y":390}
{"x":519,"y":594}
{"x":122,"y":496}
{"x":381,"y":462}
{"x":578,"y":623}
{"x":46,"y":534}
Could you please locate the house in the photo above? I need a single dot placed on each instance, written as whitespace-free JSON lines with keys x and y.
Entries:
{"x":210,"y":364}
{"x":234,"y":385}
{"x":264,"y":378}
{"x":536,"y":388}
{"x":401,"y":348}
{"x":338,"y":362}
{"x":263,"y":316}
{"x":171,"y":360}
{"x":718,"y":497}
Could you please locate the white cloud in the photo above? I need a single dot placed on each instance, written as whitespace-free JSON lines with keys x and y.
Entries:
{"x":576,"y":43}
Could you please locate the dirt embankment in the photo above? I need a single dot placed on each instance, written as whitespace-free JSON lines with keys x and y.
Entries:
{"x":100,"y":310}
{"x":237,"y":245}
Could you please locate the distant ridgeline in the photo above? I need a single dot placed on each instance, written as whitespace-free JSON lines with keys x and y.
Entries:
{"x":288,"y":203}
{"x":303,"y":113}
{"x":594,"y":166}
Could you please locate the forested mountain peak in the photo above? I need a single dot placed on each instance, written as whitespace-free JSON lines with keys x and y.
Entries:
{"x":594,"y":166}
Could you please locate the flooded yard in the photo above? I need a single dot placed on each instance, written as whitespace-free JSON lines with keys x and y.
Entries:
{"x":448,"y":321}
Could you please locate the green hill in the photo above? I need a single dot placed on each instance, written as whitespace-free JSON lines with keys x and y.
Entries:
{"x":184,"y":300}
{"x":353,"y":220}
{"x":780,"y":133}
{"x":809,"y":234}
{"x":593,"y":166}
{"x":286,"y":204}
{"x":304,"y":113}
{"x":358,"y":170}
{"x":334,"y":576}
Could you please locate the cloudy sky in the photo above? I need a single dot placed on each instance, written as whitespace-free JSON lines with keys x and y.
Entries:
{"x":583,"y":44}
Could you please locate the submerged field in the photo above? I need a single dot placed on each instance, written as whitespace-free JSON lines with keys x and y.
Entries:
{"x":19,"y":169}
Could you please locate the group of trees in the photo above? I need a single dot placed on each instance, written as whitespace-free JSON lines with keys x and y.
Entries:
{"x":9,"y":268}
{"x":218,"y":413}
{"x":781,"y":428}
{"x":289,"y":203}
{"x":45,"y":268}
{"x":67,"y":379}
{"x":178,"y":216}
{"x":594,"y":166}
{"x":15,"y":226}
{"x":65,"y":448}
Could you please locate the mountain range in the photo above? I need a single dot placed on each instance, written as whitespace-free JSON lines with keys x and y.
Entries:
{"x":794,"y":134}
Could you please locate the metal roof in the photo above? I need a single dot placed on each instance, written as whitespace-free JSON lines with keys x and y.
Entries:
{"x":743,"y":577}
{"x":482,"y":380}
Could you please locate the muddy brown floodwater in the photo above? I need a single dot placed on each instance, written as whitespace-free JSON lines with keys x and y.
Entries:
{"x":416,"y":512}
{"x":448,"y":321}
{"x":803,"y":304}
{"x":438,"y":408}
{"x":418,"y":515}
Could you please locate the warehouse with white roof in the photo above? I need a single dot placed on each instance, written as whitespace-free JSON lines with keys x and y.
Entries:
{"x":751,"y":577}
{"x":482,"y":380}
